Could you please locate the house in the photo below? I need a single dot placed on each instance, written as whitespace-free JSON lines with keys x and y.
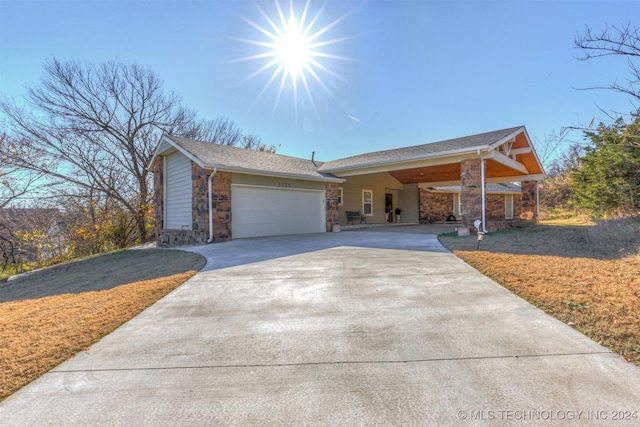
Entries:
{"x":206,"y":192}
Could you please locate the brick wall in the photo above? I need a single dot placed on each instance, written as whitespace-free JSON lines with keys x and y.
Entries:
{"x":434,"y":205}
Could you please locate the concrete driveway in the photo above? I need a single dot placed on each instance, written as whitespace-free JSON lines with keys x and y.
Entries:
{"x":355,"y":328}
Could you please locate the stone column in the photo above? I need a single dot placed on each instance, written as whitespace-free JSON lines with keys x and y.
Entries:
{"x":158,"y":198}
{"x":471,"y":191}
{"x":529,"y":201}
{"x":222,"y":207}
{"x":332,"y":205}
{"x":220,"y":203}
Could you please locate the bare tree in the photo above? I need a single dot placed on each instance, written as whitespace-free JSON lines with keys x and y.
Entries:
{"x":95,"y":128}
{"x":621,"y":40}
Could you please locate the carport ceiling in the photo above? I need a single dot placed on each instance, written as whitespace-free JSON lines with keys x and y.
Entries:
{"x":451,"y":172}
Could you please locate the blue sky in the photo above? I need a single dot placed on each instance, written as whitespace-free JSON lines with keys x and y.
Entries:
{"x":416,"y":71}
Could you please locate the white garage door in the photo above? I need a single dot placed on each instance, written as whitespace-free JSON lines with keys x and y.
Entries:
{"x":267,"y":211}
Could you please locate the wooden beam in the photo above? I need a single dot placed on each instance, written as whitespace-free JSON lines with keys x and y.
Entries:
{"x":438,"y":184}
{"x":510,"y":163}
{"x":516,"y":178}
{"x":523,"y":150}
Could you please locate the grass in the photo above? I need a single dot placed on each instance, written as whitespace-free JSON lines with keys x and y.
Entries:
{"x":47,"y":316}
{"x":586,"y":275}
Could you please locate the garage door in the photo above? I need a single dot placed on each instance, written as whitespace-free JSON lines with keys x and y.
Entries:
{"x":267,"y":211}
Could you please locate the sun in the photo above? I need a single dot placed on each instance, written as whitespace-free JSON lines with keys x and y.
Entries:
{"x":293,"y":50}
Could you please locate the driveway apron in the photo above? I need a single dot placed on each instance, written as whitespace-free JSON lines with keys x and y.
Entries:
{"x":351,"y":328}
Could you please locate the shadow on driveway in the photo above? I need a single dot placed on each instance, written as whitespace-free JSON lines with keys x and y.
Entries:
{"x":99,"y":273}
{"x":247,"y":251}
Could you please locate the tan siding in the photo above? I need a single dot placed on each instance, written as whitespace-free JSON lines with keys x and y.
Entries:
{"x":379,"y":183}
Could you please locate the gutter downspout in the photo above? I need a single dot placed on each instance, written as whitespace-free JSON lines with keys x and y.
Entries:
{"x":482,"y":180}
{"x":537,"y":201}
{"x":210,"y":194}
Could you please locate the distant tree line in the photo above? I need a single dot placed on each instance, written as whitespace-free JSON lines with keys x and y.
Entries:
{"x":81,"y":141}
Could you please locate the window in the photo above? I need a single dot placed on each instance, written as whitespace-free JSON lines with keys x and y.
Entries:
{"x":340,"y":195}
{"x":367,"y":202}
{"x":456,"y":205}
{"x":508,"y":206}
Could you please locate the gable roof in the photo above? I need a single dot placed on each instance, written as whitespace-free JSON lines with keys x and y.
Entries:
{"x":399,"y":155}
{"x":509,"y":157}
{"x":233,"y":159}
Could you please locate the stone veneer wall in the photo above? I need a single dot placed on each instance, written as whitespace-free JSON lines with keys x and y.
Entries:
{"x":434,"y":205}
{"x":495,"y":212}
{"x":471,"y":191}
{"x":529,"y":200}
{"x":494,"y":207}
{"x":221,"y":204}
{"x":222,"y":216}
{"x":332,"y":195}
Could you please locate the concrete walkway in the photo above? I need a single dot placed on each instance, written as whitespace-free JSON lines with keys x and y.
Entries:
{"x":352,"y":328}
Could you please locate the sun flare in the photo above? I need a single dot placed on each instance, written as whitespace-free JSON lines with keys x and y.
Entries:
{"x":292,"y":50}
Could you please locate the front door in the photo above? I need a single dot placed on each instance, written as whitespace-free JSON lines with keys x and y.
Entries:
{"x":388,"y":207}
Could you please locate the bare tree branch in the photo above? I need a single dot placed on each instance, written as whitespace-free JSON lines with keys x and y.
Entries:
{"x":95,"y":127}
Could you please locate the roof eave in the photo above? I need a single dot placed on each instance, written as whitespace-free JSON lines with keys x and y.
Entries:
{"x":274,"y":174}
{"x":175,"y":145}
{"x":456,"y":152}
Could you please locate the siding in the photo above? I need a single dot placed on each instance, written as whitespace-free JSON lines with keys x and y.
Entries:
{"x":379,"y":183}
{"x":178,"y":192}
{"x":409,"y":201}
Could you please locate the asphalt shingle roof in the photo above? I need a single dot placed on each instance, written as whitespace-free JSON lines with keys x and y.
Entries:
{"x":240,"y":159}
{"x":418,"y":151}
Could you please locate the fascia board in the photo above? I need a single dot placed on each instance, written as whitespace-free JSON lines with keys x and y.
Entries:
{"x":177,"y":147}
{"x":426,"y":185}
{"x":443,"y":158}
{"x":517,"y":178}
{"x":507,"y":138}
{"x":274,"y":174}
{"x":526,"y":136}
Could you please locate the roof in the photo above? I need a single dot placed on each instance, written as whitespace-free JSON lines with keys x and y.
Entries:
{"x":450,"y":146}
{"x":508,"y":152}
{"x":506,"y":188}
{"x":234,"y":159}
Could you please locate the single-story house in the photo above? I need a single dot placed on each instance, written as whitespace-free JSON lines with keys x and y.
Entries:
{"x":206,"y":192}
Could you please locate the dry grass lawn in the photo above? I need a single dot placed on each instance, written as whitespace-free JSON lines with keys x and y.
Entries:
{"x":587,"y":276}
{"x":49,"y":315}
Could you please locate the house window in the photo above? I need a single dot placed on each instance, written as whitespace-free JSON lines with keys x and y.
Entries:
{"x":456,"y":205}
{"x":508,"y":206}
{"x":367,"y":202}
{"x":340,"y":193}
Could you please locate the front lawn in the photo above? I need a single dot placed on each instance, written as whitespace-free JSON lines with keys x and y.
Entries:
{"x":49,"y":315}
{"x":587,"y":276}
